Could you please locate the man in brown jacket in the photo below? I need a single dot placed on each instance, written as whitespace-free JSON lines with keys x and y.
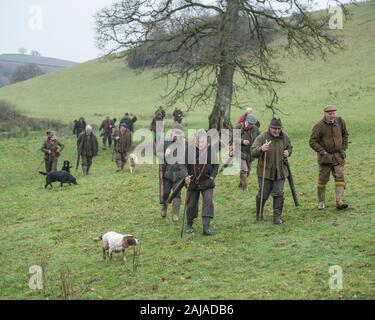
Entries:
{"x":276,"y":144}
{"x":107,"y":126}
{"x":123,"y":144}
{"x":329,"y":138}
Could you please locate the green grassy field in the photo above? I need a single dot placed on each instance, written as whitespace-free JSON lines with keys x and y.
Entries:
{"x":244,"y":259}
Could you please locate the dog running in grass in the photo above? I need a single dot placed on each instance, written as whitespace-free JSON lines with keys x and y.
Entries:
{"x":133,"y":160}
{"x":58,"y":176}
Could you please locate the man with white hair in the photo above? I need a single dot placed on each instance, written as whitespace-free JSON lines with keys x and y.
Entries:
{"x":202,"y":166}
{"x":87,"y":147}
{"x":248,"y":112}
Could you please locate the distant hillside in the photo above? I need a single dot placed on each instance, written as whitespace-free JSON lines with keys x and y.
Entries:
{"x":40,"y":61}
{"x":10,"y":62}
{"x":96,"y":88}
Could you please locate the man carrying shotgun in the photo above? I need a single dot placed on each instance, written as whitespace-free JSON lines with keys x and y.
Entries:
{"x":173,"y":170}
{"x":271,"y":148}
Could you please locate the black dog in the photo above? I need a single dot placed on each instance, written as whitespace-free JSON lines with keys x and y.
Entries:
{"x":61,"y":176}
{"x":66,"y":166}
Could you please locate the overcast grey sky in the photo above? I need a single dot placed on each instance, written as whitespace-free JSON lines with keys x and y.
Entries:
{"x":65,"y":31}
{"x":57,"y":28}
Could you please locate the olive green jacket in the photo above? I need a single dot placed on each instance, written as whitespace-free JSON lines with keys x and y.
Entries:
{"x":249,"y":135}
{"x":276,"y":168}
{"x":55,"y":149}
{"x":172,"y":171}
{"x":87,"y":145}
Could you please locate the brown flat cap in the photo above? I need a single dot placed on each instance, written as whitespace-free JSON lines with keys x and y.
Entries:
{"x":329,"y":108}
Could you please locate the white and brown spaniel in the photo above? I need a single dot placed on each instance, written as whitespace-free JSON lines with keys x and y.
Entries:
{"x":116,"y":242}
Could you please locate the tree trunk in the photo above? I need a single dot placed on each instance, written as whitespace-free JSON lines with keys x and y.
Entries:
{"x":220,"y":115}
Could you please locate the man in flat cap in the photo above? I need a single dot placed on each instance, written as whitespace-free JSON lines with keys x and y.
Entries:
{"x":276,"y":143}
{"x":329,"y":138}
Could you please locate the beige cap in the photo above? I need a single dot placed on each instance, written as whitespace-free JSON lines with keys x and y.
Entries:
{"x":329,"y":108}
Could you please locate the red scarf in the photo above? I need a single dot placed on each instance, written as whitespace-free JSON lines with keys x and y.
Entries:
{"x":198,"y":177}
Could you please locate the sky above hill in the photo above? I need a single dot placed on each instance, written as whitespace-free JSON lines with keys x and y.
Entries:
{"x":56,"y":28}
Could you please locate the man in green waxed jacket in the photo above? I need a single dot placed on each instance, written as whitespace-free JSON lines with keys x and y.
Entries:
{"x":51,"y":149}
{"x":276,"y":143}
{"x":174,"y":169}
{"x":87,"y":147}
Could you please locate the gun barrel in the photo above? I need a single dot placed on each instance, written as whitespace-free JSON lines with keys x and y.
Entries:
{"x":179,"y":187}
{"x":291,"y":185}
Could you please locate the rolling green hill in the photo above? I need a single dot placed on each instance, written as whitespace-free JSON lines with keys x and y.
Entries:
{"x":111,"y":88}
{"x":244,"y":259}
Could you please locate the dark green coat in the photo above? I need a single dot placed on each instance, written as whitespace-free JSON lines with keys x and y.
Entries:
{"x":207,"y":172}
{"x":276,"y":168}
{"x":55,"y":149}
{"x":87,"y":145}
{"x":172,"y":172}
{"x":249,"y":135}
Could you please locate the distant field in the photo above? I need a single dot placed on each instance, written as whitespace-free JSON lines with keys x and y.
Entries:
{"x":244,"y":259}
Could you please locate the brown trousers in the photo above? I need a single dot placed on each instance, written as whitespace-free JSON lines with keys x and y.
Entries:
{"x":337,"y":173}
{"x":207,"y":204}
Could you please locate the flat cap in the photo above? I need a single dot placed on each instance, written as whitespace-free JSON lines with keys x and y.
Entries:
{"x":329,"y":108}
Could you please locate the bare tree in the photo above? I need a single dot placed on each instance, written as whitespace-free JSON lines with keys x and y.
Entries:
{"x":200,"y":45}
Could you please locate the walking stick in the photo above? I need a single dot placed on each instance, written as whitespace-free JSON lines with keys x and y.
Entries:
{"x":183,"y":217}
{"x":137,"y":253}
{"x":263,"y":178}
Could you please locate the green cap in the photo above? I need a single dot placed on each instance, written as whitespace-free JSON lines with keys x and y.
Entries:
{"x":251,"y":119}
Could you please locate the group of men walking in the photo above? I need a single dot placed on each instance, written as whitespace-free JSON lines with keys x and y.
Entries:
{"x":272,"y":148}
{"x":199,"y":167}
{"x":87,"y":142}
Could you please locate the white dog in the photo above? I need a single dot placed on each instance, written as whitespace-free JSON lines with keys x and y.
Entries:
{"x":133,"y":160}
{"x":116,"y":242}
